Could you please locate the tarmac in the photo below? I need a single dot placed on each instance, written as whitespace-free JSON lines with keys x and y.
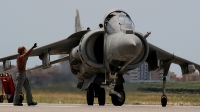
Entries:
{"x":42,"y":107}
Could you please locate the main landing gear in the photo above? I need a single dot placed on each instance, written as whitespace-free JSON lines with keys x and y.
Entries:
{"x":95,"y":91}
{"x":117,"y":99}
{"x":116,"y":92}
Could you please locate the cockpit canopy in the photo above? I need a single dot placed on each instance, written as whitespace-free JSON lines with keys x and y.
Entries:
{"x":118,"y":21}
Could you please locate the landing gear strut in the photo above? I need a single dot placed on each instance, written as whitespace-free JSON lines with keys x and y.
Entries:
{"x":164,"y":97}
{"x":116,"y":92}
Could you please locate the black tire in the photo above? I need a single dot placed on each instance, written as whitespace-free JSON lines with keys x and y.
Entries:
{"x":102,"y":97}
{"x":118,"y":101}
{"x":90,"y":97}
{"x":164,"y":101}
{"x":21,"y":98}
{"x":1,"y":98}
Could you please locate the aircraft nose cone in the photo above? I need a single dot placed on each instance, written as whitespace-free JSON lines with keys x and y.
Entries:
{"x":130,"y":46}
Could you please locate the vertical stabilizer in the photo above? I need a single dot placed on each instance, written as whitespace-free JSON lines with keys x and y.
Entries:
{"x":78,"y":26}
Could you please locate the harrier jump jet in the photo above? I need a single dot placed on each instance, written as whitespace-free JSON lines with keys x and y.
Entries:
{"x":102,"y":56}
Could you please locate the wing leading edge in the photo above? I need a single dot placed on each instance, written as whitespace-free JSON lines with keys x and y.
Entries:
{"x":63,"y":46}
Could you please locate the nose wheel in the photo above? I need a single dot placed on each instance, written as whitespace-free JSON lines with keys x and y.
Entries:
{"x":118,"y":101}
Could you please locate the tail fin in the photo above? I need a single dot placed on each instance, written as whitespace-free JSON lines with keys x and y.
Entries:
{"x":78,"y":26}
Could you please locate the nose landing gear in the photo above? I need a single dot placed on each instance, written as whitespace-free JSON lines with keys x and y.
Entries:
{"x":118,"y":101}
{"x":116,"y":92}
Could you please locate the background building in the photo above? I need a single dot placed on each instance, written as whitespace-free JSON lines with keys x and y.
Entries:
{"x":191,"y":77}
{"x":156,"y":75}
{"x":134,"y":74}
{"x":144,"y":73}
{"x":141,"y":73}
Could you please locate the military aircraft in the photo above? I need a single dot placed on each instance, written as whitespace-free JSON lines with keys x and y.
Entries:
{"x":103,"y":55}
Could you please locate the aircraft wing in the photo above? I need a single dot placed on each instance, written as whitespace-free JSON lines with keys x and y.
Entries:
{"x":168,"y":58}
{"x":63,"y":46}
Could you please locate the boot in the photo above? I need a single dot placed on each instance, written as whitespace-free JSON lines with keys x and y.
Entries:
{"x":33,"y":104}
{"x":19,"y":104}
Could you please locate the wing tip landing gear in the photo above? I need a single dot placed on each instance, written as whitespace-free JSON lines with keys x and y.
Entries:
{"x":164,"y":96}
{"x":164,"y":100}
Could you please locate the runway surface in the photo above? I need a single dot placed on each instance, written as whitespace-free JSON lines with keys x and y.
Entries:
{"x":7,"y":107}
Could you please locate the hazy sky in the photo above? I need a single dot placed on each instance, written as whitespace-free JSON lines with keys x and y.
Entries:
{"x":174,"y":23}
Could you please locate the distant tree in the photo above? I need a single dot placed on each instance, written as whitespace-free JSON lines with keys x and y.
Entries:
{"x":56,"y":73}
{"x":39,"y":77}
{"x":65,"y":69}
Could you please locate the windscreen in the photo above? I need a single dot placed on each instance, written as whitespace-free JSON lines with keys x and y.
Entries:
{"x":117,"y":22}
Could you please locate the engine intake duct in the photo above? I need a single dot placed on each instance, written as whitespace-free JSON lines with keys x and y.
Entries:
{"x":91,"y":48}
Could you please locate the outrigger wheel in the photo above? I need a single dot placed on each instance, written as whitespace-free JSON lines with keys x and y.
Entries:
{"x":164,"y":100}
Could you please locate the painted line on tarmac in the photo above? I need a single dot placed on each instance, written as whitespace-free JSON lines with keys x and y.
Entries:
{"x":39,"y":105}
{"x":58,"y":106}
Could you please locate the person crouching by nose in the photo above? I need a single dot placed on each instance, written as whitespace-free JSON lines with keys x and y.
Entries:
{"x":22,"y":80}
